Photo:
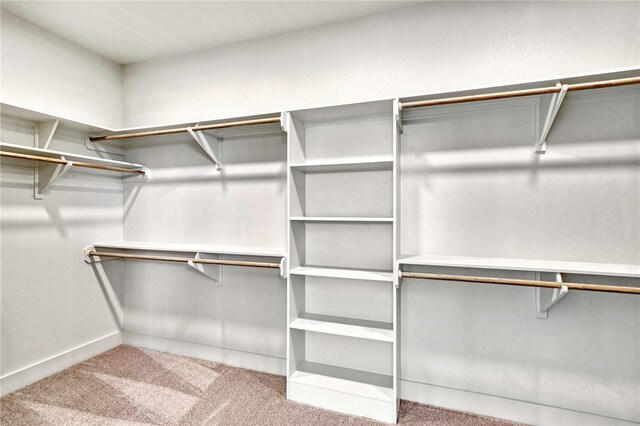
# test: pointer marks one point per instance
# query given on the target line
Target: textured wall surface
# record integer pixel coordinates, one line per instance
(43, 72)
(433, 47)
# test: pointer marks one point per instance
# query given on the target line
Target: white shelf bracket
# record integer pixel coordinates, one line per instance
(216, 276)
(554, 107)
(558, 294)
(285, 118)
(397, 113)
(283, 268)
(46, 130)
(48, 174)
(201, 140)
(397, 276)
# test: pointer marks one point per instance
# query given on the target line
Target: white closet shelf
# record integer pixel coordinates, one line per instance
(23, 149)
(340, 326)
(352, 165)
(607, 269)
(194, 248)
(345, 380)
(342, 219)
(352, 274)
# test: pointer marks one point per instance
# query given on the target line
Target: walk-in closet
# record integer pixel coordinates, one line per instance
(320, 213)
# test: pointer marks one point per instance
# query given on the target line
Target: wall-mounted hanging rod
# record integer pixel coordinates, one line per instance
(525, 283)
(525, 92)
(270, 120)
(73, 163)
(186, 260)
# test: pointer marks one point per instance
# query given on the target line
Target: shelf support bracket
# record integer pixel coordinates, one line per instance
(397, 275)
(284, 121)
(283, 268)
(216, 276)
(397, 114)
(554, 107)
(558, 294)
(46, 130)
(48, 174)
(201, 140)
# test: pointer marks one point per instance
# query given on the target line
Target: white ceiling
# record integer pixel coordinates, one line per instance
(134, 31)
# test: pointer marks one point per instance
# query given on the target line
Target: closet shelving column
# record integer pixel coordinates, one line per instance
(342, 302)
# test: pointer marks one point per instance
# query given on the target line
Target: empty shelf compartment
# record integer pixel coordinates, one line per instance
(353, 274)
(343, 219)
(345, 380)
(328, 166)
(341, 326)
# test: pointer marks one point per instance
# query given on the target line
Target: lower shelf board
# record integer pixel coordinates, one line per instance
(351, 327)
(345, 380)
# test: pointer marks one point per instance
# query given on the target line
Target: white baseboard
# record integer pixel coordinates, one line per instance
(15, 380)
(504, 408)
(455, 399)
(251, 361)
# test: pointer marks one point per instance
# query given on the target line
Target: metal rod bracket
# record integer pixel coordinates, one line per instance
(95, 259)
(201, 140)
(554, 107)
(542, 311)
(213, 272)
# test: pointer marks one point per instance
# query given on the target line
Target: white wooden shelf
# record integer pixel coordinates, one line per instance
(352, 274)
(194, 248)
(606, 269)
(340, 326)
(23, 149)
(353, 165)
(342, 219)
(31, 114)
(345, 380)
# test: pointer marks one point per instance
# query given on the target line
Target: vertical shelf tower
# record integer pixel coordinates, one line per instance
(342, 336)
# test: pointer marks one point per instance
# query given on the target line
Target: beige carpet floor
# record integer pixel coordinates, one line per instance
(133, 386)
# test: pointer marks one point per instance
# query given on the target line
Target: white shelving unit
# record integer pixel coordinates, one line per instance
(51, 165)
(580, 268)
(49, 153)
(342, 175)
(197, 251)
(193, 248)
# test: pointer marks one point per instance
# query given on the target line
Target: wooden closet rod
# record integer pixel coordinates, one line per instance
(524, 92)
(526, 283)
(186, 129)
(75, 163)
(186, 259)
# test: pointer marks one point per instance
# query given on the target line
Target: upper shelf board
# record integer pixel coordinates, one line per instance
(194, 248)
(23, 149)
(606, 269)
(100, 130)
(531, 84)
